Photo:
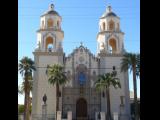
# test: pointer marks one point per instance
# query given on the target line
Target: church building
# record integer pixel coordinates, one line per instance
(82, 68)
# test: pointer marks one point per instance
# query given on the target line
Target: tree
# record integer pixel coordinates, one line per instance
(20, 109)
(103, 83)
(131, 61)
(138, 66)
(21, 90)
(26, 67)
(56, 77)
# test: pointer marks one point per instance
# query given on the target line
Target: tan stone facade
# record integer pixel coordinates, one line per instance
(82, 68)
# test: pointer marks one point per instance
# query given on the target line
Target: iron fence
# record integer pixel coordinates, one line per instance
(37, 117)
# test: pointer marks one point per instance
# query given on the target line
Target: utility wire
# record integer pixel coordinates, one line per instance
(87, 68)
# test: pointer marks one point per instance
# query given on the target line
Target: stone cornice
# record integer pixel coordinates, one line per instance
(110, 55)
(38, 53)
(103, 32)
(110, 17)
(51, 29)
(111, 32)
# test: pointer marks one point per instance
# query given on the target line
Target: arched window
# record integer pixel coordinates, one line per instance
(42, 24)
(50, 47)
(50, 22)
(104, 26)
(49, 44)
(81, 78)
(112, 43)
(111, 25)
(110, 49)
(58, 24)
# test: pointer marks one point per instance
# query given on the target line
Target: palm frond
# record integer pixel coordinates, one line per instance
(106, 80)
(56, 74)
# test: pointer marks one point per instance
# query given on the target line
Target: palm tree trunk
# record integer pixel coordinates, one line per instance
(29, 104)
(25, 101)
(135, 92)
(57, 104)
(26, 110)
(108, 104)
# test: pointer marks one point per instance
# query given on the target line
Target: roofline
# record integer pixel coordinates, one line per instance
(109, 16)
(49, 14)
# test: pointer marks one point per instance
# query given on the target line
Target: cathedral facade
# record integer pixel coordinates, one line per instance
(81, 67)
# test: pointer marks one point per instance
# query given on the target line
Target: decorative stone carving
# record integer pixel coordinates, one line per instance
(81, 59)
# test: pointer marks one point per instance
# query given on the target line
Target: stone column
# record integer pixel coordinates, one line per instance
(44, 112)
(103, 116)
(115, 115)
(69, 115)
(58, 115)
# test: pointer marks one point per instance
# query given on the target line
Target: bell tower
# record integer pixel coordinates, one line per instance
(50, 34)
(110, 36)
(49, 51)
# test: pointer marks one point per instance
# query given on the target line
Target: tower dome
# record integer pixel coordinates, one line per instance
(51, 11)
(108, 13)
(110, 37)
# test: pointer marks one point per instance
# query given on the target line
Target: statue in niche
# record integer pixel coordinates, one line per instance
(44, 99)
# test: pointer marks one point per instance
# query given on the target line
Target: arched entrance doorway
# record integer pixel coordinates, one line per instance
(81, 109)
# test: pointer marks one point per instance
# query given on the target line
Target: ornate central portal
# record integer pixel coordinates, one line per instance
(81, 109)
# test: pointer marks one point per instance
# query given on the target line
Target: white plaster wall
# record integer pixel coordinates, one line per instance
(42, 19)
(115, 19)
(109, 62)
(105, 39)
(106, 20)
(94, 67)
(44, 87)
(68, 67)
(56, 35)
(53, 17)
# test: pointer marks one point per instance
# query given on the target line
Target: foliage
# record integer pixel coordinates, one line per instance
(57, 77)
(131, 61)
(20, 109)
(103, 83)
(106, 80)
(26, 67)
(56, 74)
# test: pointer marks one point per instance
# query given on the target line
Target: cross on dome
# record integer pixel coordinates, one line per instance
(51, 6)
(109, 8)
(81, 43)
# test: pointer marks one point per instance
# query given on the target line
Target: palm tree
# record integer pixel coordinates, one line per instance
(21, 89)
(56, 77)
(131, 61)
(103, 83)
(26, 67)
(138, 66)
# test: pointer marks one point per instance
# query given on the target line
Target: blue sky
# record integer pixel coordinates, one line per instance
(79, 22)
